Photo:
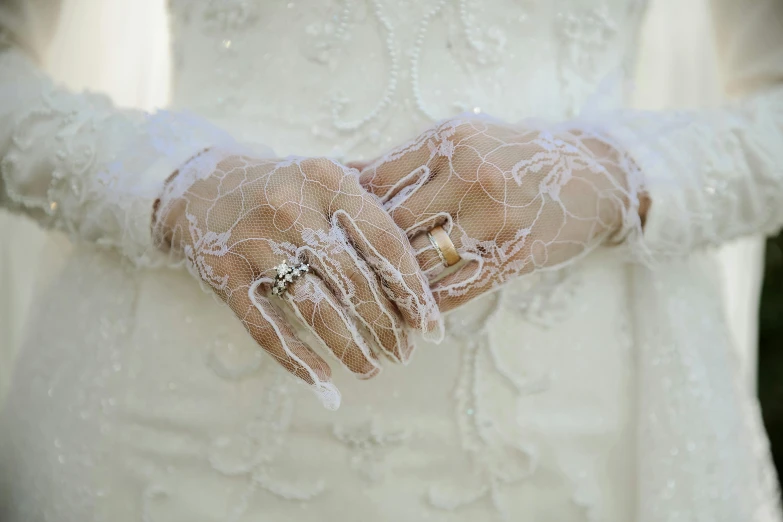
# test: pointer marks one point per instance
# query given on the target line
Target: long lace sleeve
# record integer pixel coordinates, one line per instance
(74, 161)
(716, 175)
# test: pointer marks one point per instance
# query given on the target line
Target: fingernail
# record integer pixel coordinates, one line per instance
(374, 371)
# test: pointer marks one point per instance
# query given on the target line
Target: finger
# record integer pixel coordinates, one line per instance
(317, 308)
(462, 286)
(272, 332)
(426, 255)
(357, 287)
(386, 249)
(427, 196)
(404, 166)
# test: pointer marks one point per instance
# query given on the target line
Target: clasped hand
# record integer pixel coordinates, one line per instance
(512, 200)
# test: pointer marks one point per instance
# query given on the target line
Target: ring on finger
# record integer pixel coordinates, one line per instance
(441, 242)
(287, 274)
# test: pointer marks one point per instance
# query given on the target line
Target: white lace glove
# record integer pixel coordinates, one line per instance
(236, 218)
(513, 199)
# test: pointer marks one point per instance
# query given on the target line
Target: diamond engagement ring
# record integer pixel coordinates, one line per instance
(286, 275)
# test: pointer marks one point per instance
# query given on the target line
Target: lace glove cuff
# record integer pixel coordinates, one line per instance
(165, 143)
(711, 176)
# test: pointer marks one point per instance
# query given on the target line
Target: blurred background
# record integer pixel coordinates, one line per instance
(677, 69)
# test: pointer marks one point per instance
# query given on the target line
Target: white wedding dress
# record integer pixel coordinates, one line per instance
(604, 391)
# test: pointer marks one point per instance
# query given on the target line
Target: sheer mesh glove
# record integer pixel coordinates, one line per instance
(236, 218)
(513, 199)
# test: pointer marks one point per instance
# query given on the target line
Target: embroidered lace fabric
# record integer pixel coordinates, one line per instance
(514, 199)
(590, 389)
(66, 159)
(237, 218)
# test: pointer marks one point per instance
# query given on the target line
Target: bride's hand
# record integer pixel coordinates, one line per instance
(237, 218)
(511, 199)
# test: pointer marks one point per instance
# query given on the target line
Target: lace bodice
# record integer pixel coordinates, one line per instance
(360, 76)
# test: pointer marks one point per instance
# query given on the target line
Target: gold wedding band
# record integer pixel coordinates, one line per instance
(442, 244)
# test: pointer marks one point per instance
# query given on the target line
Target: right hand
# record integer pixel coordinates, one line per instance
(237, 223)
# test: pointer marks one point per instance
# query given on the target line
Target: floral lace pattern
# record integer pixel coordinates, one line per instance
(369, 444)
(66, 160)
(514, 199)
(69, 156)
(235, 218)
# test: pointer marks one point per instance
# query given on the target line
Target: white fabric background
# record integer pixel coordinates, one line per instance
(127, 58)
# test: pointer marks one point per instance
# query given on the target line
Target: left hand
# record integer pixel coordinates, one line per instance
(512, 200)
(235, 218)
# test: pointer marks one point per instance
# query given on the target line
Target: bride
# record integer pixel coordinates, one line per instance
(428, 156)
